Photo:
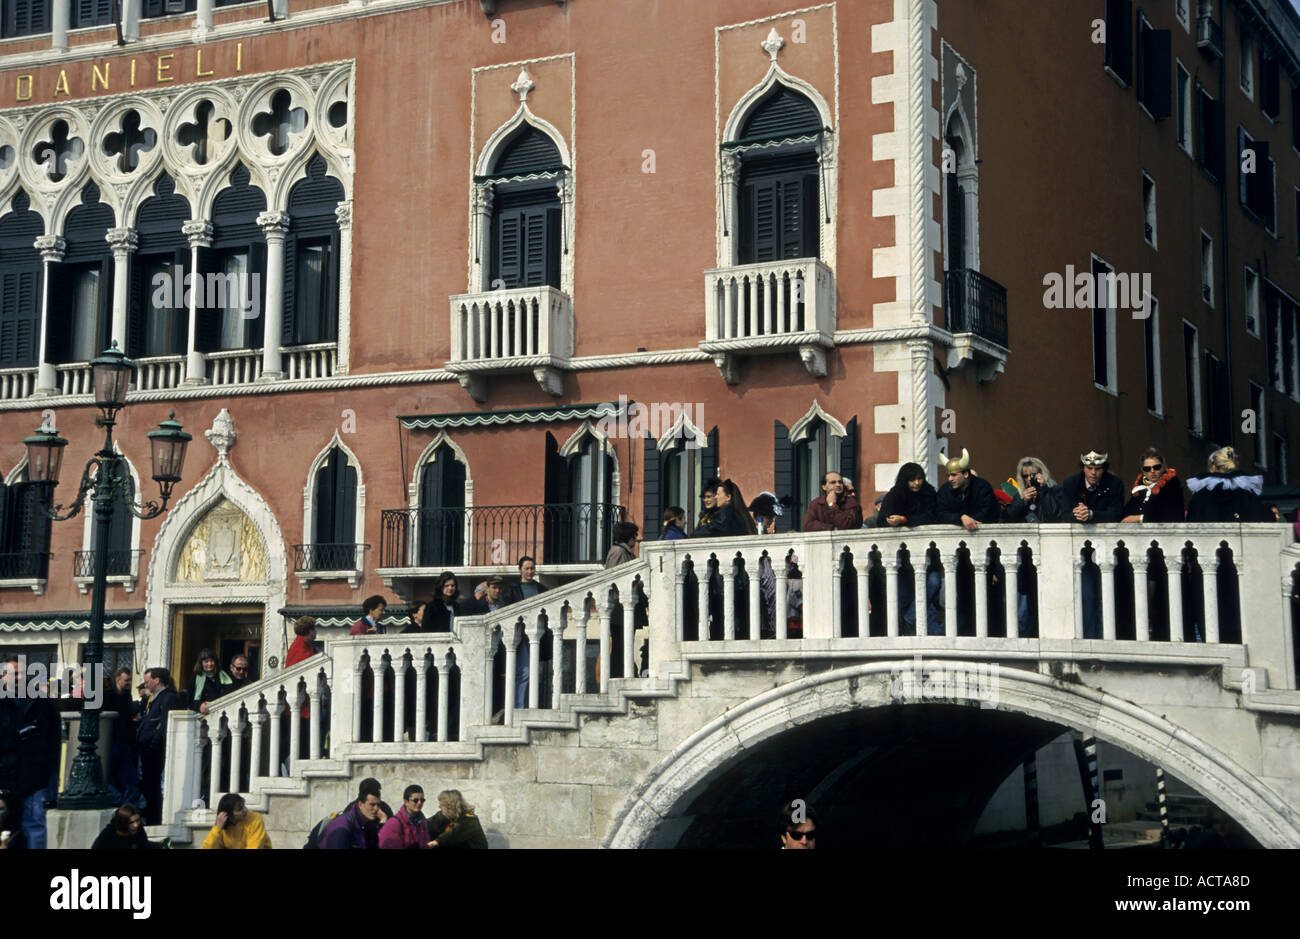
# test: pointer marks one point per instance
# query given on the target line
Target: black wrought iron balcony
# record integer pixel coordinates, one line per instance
(490, 535)
(121, 563)
(1209, 35)
(976, 304)
(24, 565)
(327, 557)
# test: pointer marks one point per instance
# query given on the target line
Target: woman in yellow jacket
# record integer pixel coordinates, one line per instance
(236, 826)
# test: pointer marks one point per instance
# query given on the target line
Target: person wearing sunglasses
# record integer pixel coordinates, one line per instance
(798, 826)
(408, 828)
(239, 675)
(1157, 494)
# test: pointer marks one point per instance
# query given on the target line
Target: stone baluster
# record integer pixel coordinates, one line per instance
(602, 613)
(557, 656)
(444, 696)
(256, 719)
(1141, 612)
(1016, 571)
(1078, 596)
(236, 751)
(535, 632)
(511, 640)
(194, 775)
(295, 723)
(949, 595)
(579, 653)
(891, 594)
(215, 763)
(274, 710)
(1106, 594)
(1210, 581)
(728, 599)
(420, 732)
(494, 641)
(199, 235)
(753, 567)
(702, 578)
(782, 597)
(629, 629)
(920, 559)
(864, 596)
(399, 697)
(837, 596)
(981, 587)
(314, 727)
(1174, 572)
(380, 675)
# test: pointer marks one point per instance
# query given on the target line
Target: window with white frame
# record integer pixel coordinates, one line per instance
(1192, 377)
(1151, 328)
(1149, 209)
(1103, 328)
(1252, 303)
(1261, 425)
(1246, 62)
(123, 534)
(1218, 422)
(1274, 339)
(1184, 109)
(1207, 269)
(334, 513)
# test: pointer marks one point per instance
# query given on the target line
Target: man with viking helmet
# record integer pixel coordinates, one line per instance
(967, 500)
(1093, 496)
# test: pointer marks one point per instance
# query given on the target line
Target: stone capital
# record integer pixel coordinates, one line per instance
(275, 225)
(51, 247)
(343, 213)
(198, 232)
(122, 241)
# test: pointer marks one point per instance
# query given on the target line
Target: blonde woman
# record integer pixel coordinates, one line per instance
(1226, 494)
(455, 825)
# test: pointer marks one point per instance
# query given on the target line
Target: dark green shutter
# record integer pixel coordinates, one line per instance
(709, 458)
(289, 317)
(783, 475)
(58, 325)
(19, 317)
(1119, 39)
(207, 317)
(849, 457)
(1160, 64)
(255, 329)
(535, 228)
(507, 255)
(758, 231)
(652, 495)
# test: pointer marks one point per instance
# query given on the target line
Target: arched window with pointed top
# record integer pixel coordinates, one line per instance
(527, 215)
(25, 527)
(236, 263)
(80, 320)
(158, 323)
(311, 258)
(20, 282)
(780, 202)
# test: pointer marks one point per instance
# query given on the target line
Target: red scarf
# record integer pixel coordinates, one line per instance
(1159, 483)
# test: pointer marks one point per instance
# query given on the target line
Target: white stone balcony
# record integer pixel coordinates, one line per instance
(17, 383)
(499, 332)
(758, 309)
(159, 372)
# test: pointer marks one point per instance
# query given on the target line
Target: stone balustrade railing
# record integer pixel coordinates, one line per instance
(159, 372)
(311, 361)
(17, 383)
(235, 366)
(769, 300)
(530, 324)
(75, 378)
(1229, 588)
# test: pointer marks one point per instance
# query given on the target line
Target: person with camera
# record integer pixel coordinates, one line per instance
(1039, 499)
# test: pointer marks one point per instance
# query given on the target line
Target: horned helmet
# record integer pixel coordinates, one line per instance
(955, 465)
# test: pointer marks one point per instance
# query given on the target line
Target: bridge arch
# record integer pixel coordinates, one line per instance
(677, 780)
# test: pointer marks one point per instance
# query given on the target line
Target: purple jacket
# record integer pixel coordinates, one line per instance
(400, 832)
(349, 830)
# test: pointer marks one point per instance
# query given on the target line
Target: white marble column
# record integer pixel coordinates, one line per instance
(891, 594)
(1174, 572)
(274, 711)
(123, 242)
(60, 17)
(420, 733)
(444, 696)
(949, 596)
(256, 720)
(131, 10)
(52, 248)
(199, 235)
(203, 19)
(275, 225)
(342, 356)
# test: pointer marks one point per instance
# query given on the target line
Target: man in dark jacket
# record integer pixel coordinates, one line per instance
(833, 510)
(357, 826)
(151, 738)
(967, 500)
(1094, 496)
(1227, 494)
(527, 588)
(29, 750)
(124, 761)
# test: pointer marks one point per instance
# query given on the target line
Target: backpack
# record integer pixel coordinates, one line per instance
(317, 834)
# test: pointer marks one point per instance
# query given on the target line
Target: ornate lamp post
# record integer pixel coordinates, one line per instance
(104, 480)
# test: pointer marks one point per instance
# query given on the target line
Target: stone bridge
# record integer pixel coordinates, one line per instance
(904, 736)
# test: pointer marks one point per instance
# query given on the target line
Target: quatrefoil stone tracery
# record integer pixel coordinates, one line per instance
(59, 151)
(280, 121)
(205, 133)
(130, 142)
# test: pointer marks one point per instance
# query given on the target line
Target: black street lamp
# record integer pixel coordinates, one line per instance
(105, 481)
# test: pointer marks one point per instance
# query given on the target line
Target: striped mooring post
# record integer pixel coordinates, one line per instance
(1164, 803)
(1085, 753)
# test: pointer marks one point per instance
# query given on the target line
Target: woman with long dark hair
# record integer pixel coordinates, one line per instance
(729, 516)
(911, 501)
